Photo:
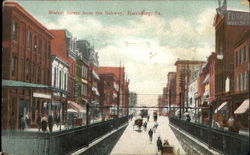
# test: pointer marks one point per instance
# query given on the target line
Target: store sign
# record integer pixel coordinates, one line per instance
(42, 95)
(238, 18)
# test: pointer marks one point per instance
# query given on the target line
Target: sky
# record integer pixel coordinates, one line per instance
(146, 45)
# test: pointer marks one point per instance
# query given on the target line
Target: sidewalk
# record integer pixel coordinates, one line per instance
(55, 128)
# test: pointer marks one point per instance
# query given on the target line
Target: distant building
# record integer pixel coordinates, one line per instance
(184, 71)
(171, 88)
(123, 84)
(26, 66)
(108, 88)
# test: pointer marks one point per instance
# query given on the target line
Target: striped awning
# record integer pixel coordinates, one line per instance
(221, 107)
(243, 107)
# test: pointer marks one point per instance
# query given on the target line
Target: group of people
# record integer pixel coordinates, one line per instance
(24, 121)
(43, 122)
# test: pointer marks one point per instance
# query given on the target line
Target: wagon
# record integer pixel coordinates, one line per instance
(138, 123)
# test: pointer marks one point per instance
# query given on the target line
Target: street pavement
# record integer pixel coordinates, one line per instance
(135, 142)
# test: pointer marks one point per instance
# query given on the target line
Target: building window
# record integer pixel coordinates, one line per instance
(40, 46)
(241, 82)
(54, 80)
(14, 66)
(49, 51)
(246, 81)
(14, 30)
(245, 53)
(35, 43)
(65, 81)
(237, 55)
(27, 70)
(29, 38)
(60, 79)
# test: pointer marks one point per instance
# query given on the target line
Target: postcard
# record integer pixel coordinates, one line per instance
(122, 77)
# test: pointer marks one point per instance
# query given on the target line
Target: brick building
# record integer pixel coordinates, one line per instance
(64, 70)
(184, 70)
(171, 88)
(108, 88)
(229, 27)
(123, 84)
(241, 74)
(26, 66)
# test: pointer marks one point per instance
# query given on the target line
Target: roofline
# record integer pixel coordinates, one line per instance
(26, 13)
(242, 39)
(188, 62)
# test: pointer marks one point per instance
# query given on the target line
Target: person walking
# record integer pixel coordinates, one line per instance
(38, 121)
(44, 122)
(145, 126)
(27, 120)
(22, 122)
(150, 133)
(50, 122)
(159, 144)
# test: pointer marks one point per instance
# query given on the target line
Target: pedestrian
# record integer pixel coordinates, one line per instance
(145, 126)
(38, 121)
(155, 126)
(21, 122)
(188, 118)
(50, 122)
(44, 122)
(27, 120)
(150, 133)
(159, 144)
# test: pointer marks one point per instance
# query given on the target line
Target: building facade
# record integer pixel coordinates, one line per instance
(26, 68)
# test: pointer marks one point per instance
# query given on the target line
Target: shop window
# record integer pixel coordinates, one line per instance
(14, 30)
(14, 66)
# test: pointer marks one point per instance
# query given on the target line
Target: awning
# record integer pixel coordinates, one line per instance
(206, 80)
(95, 75)
(75, 106)
(94, 89)
(221, 107)
(12, 83)
(243, 107)
(71, 111)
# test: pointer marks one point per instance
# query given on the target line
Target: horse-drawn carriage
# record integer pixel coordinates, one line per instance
(138, 123)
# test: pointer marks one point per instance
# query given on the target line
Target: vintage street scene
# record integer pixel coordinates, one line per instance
(122, 77)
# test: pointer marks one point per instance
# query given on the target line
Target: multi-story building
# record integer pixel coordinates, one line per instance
(93, 78)
(26, 66)
(171, 88)
(229, 26)
(184, 70)
(82, 72)
(241, 74)
(108, 88)
(60, 73)
(64, 70)
(132, 102)
(123, 84)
